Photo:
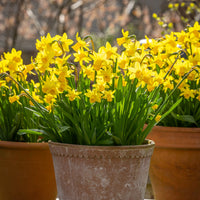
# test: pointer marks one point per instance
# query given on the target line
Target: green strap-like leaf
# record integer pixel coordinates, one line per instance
(31, 131)
(170, 110)
(185, 118)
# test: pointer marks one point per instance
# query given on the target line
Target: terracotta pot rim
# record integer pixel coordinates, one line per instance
(197, 129)
(23, 145)
(150, 144)
(175, 137)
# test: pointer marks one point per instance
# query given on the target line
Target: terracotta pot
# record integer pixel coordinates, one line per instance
(101, 172)
(175, 164)
(26, 172)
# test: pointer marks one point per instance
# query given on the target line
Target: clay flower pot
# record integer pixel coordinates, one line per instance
(26, 172)
(175, 164)
(101, 172)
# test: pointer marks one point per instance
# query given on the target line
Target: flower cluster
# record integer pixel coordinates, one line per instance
(13, 115)
(178, 54)
(105, 97)
(100, 70)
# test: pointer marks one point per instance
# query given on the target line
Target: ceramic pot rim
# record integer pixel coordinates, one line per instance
(101, 152)
(150, 144)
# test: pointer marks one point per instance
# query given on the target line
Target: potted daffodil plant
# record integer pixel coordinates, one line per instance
(25, 162)
(177, 136)
(97, 108)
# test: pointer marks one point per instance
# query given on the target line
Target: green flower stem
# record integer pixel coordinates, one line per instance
(91, 39)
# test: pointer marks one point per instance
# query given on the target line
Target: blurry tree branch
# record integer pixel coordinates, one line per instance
(35, 20)
(59, 18)
(12, 23)
(17, 21)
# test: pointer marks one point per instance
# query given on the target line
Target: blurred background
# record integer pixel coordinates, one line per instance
(24, 21)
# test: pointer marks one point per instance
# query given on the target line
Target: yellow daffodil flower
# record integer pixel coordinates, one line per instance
(73, 94)
(80, 44)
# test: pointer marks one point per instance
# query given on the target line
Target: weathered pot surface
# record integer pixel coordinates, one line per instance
(101, 172)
